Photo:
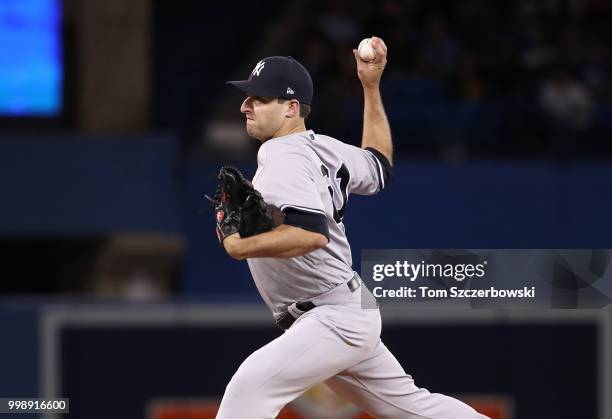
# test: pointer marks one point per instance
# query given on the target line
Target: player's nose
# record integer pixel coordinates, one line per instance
(246, 106)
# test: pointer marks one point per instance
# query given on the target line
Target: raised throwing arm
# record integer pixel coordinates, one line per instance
(376, 129)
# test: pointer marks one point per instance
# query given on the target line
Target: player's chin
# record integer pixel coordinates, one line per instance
(252, 131)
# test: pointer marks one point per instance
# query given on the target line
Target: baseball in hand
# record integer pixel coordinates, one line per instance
(366, 52)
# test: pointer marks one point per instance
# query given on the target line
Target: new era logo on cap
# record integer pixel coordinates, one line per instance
(284, 78)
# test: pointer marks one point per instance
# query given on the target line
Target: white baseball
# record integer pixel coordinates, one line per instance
(366, 52)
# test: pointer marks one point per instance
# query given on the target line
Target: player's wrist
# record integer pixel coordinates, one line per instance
(371, 87)
(231, 244)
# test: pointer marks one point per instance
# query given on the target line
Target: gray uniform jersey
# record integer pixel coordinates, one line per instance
(313, 174)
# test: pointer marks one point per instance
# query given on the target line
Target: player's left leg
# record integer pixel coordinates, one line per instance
(310, 352)
(380, 386)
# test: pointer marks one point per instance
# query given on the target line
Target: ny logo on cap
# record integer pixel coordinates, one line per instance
(290, 91)
(258, 68)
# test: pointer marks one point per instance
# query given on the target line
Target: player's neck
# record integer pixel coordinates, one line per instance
(290, 129)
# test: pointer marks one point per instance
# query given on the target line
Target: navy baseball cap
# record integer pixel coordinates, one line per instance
(276, 76)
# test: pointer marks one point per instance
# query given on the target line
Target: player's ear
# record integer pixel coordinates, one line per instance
(293, 109)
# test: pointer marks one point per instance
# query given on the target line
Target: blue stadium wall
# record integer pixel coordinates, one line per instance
(99, 186)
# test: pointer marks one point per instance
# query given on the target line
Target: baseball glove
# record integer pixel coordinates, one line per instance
(240, 208)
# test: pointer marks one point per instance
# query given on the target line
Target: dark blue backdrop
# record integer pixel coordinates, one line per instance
(97, 186)
(482, 204)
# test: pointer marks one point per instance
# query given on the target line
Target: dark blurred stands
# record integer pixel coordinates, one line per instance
(467, 72)
(503, 87)
(196, 47)
(92, 201)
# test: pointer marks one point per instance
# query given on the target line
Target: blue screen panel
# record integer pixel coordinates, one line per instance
(31, 64)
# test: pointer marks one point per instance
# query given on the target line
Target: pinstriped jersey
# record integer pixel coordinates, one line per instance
(311, 174)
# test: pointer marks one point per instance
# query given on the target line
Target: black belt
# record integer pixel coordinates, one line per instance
(287, 319)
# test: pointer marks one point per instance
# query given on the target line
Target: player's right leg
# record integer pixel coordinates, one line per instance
(380, 386)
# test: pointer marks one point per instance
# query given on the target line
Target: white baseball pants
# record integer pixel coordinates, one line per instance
(339, 345)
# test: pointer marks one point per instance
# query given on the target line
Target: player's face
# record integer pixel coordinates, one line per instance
(264, 116)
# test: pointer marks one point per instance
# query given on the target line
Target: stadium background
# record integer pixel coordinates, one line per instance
(114, 118)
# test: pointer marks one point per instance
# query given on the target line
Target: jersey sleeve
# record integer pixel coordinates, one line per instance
(370, 171)
(286, 179)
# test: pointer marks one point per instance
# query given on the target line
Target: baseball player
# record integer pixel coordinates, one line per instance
(303, 267)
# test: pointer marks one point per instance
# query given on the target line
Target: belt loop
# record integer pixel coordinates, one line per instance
(354, 283)
(294, 311)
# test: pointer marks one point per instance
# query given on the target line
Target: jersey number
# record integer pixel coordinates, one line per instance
(337, 187)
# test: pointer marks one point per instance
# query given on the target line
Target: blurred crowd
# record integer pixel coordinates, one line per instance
(523, 75)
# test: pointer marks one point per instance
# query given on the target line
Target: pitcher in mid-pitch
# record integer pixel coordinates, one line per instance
(303, 268)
